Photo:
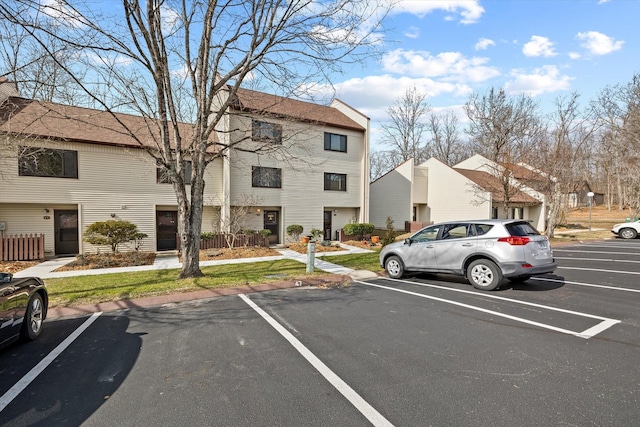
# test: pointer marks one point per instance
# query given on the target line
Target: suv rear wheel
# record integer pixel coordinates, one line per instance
(484, 274)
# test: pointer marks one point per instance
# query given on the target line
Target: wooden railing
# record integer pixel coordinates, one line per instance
(18, 247)
(220, 241)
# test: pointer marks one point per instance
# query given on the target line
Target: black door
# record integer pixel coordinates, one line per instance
(66, 230)
(327, 225)
(167, 230)
(271, 224)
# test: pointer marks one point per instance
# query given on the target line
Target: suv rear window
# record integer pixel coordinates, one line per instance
(521, 229)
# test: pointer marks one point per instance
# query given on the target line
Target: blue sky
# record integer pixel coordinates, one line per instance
(450, 48)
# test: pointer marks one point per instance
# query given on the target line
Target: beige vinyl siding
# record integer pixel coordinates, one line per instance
(111, 180)
(454, 197)
(303, 162)
(391, 197)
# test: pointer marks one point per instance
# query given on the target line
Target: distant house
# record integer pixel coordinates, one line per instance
(72, 166)
(580, 197)
(433, 192)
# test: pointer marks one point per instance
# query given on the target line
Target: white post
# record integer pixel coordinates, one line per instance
(311, 255)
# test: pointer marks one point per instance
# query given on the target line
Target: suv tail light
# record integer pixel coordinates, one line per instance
(515, 240)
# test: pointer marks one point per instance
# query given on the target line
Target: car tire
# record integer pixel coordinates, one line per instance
(33, 318)
(484, 274)
(519, 279)
(394, 267)
(628, 233)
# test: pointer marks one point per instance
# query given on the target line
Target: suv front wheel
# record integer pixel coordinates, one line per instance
(484, 274)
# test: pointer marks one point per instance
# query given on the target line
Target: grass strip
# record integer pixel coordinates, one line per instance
(79, 290)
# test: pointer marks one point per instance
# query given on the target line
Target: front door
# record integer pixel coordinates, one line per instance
(271, 224)
(65, 224)
(327, 225)
(167, 230)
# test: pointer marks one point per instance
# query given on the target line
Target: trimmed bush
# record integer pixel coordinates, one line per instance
(295, 230)
(359, 229)
(113, 233)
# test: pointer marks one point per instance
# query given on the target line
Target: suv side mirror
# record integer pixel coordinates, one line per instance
(407, 241)
(6, 277)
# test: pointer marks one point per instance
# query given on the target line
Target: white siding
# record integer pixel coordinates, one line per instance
(113, 182)
(303, 162)
(391, 197)
(454, 197)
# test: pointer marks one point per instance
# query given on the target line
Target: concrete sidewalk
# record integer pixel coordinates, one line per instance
(46, 269)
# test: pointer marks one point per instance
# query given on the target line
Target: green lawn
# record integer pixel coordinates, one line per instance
(112, 287)
(368, 261)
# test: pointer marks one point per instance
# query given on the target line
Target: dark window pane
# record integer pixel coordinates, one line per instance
(162, 175)
(35, 161)
(335, 181)
(335, 142)
(266, 132)
(266, 177)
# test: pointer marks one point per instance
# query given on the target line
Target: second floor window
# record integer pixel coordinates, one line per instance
(266, 132)
(335, 142)
(36, 161)
(162, 176)
(266, 177)
(335, 181)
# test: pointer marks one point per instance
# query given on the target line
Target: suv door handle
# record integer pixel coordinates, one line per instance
(467, 245)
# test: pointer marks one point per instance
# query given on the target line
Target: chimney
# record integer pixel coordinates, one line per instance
(7, 89)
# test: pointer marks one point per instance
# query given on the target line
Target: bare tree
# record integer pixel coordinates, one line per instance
(446, 143)
(562, 154)
(382, 162)
(407, 126)
(503, 129)
(176, 62)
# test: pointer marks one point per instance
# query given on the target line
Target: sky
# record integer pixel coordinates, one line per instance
(449, 49)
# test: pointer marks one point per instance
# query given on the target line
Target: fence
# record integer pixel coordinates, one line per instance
(28, 247)
(411, 226)
(220, 241)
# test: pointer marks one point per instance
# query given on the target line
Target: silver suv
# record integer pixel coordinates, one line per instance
(484, 251)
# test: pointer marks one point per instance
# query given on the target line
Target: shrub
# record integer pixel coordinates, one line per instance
(112, 232)
(208, 235)
(390, 235)
(295, 231)
(359, 229)
(317, 234)
(264, 233)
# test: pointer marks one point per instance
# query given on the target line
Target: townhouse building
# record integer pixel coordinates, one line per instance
(65, 167)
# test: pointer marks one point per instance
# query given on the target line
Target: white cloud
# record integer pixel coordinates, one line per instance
(62, 13)
(542, 80)
(170, 18)
(484, 43)
(450, 66)
(470, 11)
(358, 92)
(574, 55)
(538, 46)
(412, 32)
(599, 44)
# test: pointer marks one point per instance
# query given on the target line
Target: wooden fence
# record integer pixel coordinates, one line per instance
(220, 241)
(18, 247)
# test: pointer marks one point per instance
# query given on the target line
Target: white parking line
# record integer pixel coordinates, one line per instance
(603, 325)
(598, 269)
(18, 387)
(596, 252)
(590, 285)
(361, 405)
(598, 259)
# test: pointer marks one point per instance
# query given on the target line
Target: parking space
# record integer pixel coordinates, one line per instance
(560, 349)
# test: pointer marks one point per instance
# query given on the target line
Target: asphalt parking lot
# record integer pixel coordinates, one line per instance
(425, 350)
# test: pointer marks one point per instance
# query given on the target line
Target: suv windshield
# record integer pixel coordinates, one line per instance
(521, 229)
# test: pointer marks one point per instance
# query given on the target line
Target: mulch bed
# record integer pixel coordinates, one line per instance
(109, 260)
(15, 266)
(235, 253)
